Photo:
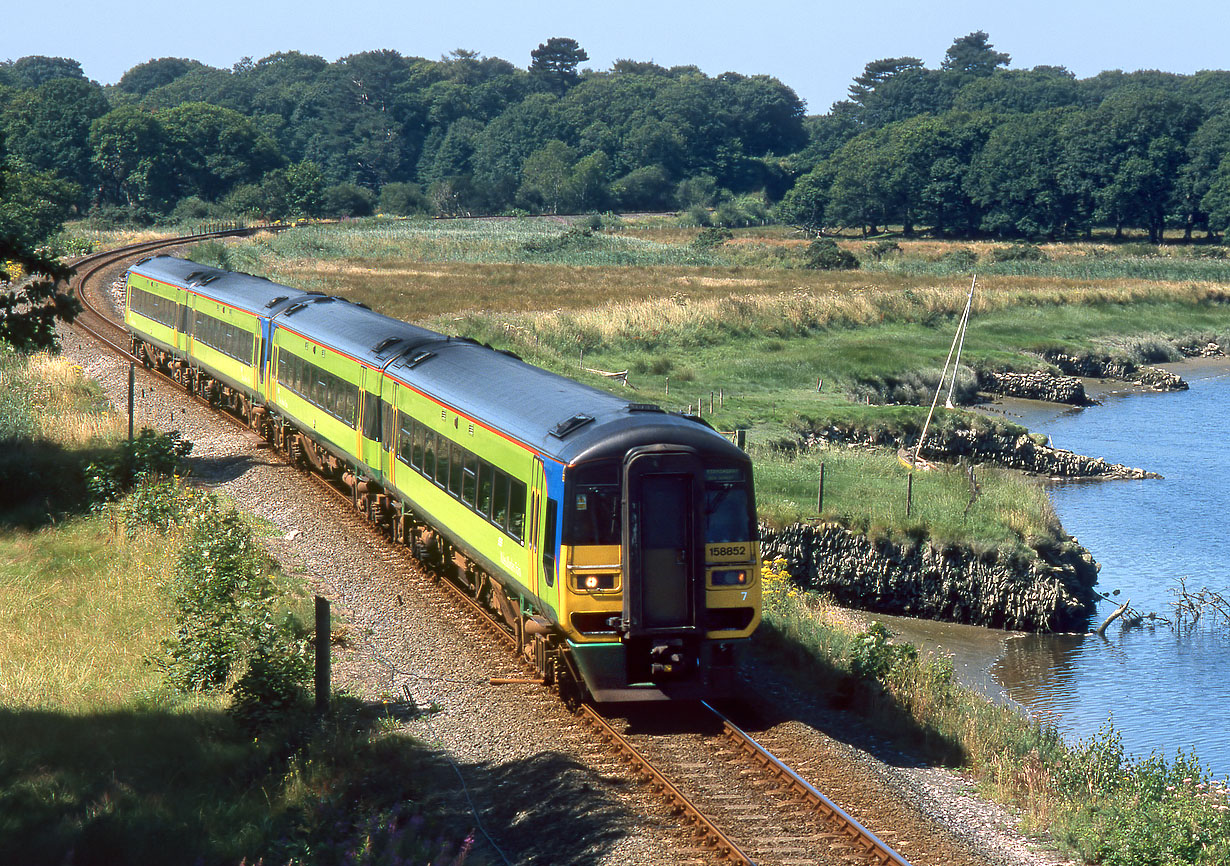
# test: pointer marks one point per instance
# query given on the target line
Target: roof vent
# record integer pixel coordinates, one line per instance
(293, 308)
(420, 358)
(385, 343)
(645, 407)
(205, 281)
(279, 299)
(568, 425)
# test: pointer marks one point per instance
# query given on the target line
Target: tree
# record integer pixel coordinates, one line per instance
(973, 54)
(1217, 200)
(152, 74)
(213, 149)
(555, 62)
(49, 127)
(32, 207)
(129, 152)
(876, 73)
(35, 70)
(1014, 177)
(546, 178)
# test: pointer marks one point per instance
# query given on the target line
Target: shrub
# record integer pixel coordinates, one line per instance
(823, 254)
(348, 200)
(148, 457)
(960, 259)
(697, 216)
(872, 656)
(880, 250)
(404, 199)
(711, 238)
(1018, 253)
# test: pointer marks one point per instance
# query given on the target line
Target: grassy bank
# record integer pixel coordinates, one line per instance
(110, 754)
(1105, 806)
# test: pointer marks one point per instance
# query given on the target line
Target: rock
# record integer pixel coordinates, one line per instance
(1038, 385)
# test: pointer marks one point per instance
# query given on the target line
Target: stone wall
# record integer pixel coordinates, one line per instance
(1104, 367)
(1053, 592)
(999, 448)
(1038, 385)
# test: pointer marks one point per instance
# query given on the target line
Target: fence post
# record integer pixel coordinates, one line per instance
(820, 495)
(909, 493)
(132, 384)
(322, 654)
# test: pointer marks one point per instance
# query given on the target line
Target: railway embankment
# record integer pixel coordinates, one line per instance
(1051, 590)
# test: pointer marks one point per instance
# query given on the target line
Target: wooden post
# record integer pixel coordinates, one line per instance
(820, 495)
(909, 493)
(132, 385)
(741, 438)
(668, 386)
(710, 402)
(322, 655)
(721, 398)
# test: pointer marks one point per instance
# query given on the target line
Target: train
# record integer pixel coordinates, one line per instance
(617, 541)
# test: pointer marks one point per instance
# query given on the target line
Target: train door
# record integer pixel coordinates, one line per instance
(388, 427)
(663, 573)
(537, 483)
(371, 425)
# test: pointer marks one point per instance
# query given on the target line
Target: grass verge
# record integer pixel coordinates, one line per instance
(103, 760)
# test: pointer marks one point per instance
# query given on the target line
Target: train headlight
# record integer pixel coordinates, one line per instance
(732, 577)
(596, 582)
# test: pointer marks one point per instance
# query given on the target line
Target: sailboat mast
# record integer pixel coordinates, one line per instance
(958, 336)
(969, 302)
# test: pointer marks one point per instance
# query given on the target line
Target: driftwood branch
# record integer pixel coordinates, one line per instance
(1119, 611)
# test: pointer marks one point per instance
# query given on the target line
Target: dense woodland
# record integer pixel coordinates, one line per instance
(971, 148)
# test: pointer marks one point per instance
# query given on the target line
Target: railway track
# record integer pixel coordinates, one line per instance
(738, 802)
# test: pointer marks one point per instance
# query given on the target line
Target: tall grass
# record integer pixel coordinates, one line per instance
(866, 491)
(100, 761)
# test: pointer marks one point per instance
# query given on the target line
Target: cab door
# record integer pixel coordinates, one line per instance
(537, 483)
(663, 558)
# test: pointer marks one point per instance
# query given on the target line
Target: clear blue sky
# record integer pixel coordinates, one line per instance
(815, 47)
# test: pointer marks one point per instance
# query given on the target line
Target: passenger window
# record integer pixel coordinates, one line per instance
(454, 476)
(484, 489)
(416, 455)
(499, 504)
(442, 461)
(429, 454)
(468, 479)
(548, 542)
(516, 509)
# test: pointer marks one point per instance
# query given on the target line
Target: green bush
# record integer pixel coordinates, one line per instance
(960, 259)
(147, 457)
(873, 657)
(823, 254)
(711, 238)
(1018, 253)
(883, 249)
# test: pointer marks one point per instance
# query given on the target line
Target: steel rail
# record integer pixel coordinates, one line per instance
(807, 793)
(710, 836)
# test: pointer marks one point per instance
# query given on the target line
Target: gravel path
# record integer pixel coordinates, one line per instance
(542, 789)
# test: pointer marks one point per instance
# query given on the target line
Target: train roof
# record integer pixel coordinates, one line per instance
(557, 416)
(255, 295)
(352, 328)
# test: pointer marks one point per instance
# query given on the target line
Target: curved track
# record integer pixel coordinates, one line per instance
(762, 807)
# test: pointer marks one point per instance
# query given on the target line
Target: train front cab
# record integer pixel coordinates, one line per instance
(661, 573)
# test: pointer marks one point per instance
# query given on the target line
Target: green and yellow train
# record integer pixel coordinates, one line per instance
(617, 541)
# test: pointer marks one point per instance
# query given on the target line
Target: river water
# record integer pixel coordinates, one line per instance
(1164, 689)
